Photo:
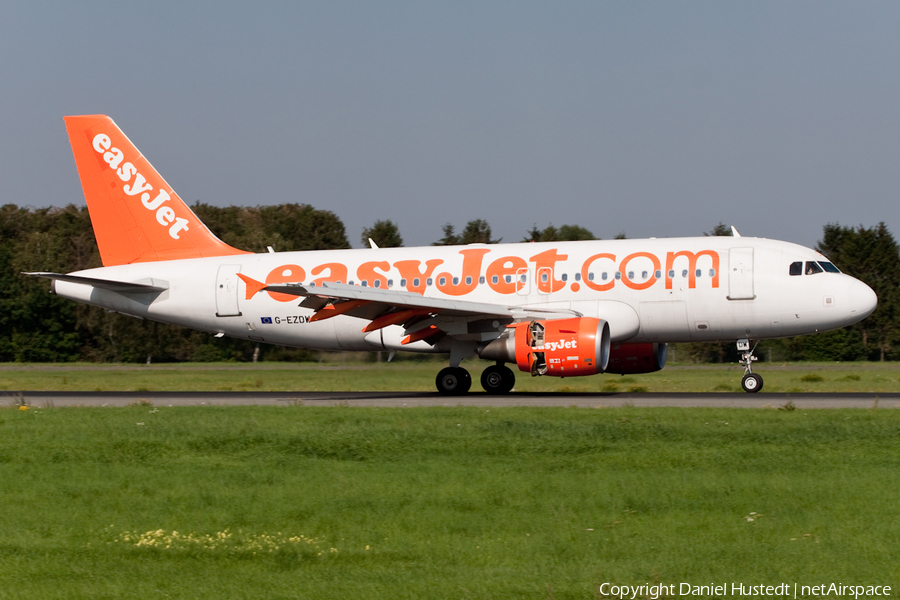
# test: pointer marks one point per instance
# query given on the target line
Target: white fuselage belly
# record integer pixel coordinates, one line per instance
(651, 290)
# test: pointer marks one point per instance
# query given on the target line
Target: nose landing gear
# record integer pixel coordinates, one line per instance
(751, 382)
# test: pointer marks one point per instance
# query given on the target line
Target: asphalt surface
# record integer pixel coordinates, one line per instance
(409, 399)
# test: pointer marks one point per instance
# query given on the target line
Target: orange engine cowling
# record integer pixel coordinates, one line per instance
(560, 348)
(629, 359)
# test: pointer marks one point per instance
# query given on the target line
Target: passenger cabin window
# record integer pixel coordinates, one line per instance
(796, 268)
(812, 267)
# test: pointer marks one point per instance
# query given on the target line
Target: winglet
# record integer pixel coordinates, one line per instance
(136, 215)
(253, 286)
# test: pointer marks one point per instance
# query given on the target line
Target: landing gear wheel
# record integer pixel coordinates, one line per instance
(466, 380)
(752, 383)
(498, 379)
(453, 381)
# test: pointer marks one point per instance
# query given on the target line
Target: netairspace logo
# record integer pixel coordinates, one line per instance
(737, 590)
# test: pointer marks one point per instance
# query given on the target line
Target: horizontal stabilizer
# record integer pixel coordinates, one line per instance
(107, 284)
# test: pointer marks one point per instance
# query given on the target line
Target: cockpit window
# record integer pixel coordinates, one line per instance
(812, 267)
(829, 267)
(797, 268)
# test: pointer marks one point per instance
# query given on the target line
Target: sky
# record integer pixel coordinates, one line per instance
(653, 119)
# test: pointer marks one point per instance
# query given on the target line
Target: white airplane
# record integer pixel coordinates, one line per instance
(559, 309)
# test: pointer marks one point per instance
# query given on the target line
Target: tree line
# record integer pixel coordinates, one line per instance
(36, 326)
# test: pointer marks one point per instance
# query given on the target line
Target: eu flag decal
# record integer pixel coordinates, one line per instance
(266, 320)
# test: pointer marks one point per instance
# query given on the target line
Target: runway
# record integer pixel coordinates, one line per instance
(412, 399)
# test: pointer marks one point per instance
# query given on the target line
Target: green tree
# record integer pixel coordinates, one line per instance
(450, 238)
(476, 231)
(385, 234)
(38, 326)
(720, 230)
(871, 255)
(562, 234)
(285, 227)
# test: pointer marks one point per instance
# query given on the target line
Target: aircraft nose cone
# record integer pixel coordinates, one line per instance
(862, 300)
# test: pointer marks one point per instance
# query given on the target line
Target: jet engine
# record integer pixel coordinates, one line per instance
(560, 347)
(629, 359)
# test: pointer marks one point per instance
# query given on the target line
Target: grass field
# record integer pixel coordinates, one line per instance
(419, 376)
(300, 502)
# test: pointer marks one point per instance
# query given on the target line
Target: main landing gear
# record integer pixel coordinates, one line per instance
(456, 381)
(498, 379)
(453, 381)
(751, 382)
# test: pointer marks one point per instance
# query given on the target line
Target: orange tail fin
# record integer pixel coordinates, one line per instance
(136, 215)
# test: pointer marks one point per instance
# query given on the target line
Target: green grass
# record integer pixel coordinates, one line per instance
(419, 376)
(440, 502)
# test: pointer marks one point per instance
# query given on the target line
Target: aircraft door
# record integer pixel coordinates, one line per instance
(523, 282)
(740, 274)
(227, 291)
(544, 280)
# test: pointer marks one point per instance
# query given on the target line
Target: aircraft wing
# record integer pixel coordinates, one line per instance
(421, 316)
(150, 286)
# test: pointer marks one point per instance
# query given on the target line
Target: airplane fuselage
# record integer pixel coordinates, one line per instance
(648, 290)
